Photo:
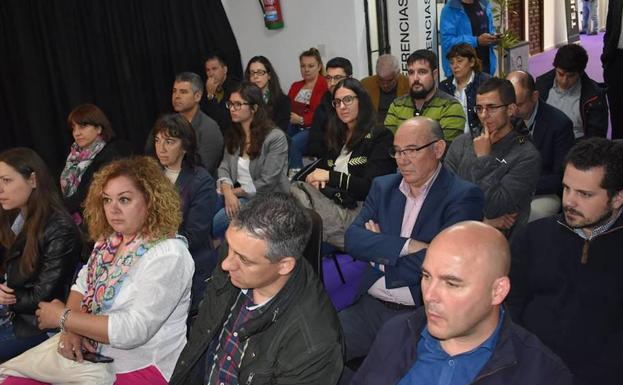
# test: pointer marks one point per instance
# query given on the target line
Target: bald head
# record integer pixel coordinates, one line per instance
(421, 124)
(526, 95)
(521, 79)
(478, 243)
(464, 282)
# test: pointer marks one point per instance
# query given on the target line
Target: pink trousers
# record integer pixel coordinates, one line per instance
(147, 376)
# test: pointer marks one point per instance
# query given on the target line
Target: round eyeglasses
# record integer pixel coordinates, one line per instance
(346, 100)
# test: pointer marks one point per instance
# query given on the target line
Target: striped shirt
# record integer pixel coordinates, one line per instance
(442, 107)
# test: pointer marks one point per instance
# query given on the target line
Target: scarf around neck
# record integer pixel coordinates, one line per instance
(106, 271)
(78, 160)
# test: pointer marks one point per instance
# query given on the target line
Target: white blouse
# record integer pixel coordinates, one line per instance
(147, 321)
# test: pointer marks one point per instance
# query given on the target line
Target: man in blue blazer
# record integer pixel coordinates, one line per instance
(401, 215)
(552, 134)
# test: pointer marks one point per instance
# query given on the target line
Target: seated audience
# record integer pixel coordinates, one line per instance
(41, 248)
(501, 161)
(130, 301)
(355, 152)
(93, 147)
(568, 88)
(266, 317)
(255, 159)
(469, 21)
(338, 68)
(305, 96)
(386, 85)
(566, 269)
(261, 72)
(462, 335)
(466, 77)
(401, 215)
(551, 132)
(176, 149)
(425, 99)
(219, 84)
(187, 91)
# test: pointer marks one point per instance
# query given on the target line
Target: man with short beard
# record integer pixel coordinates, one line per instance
(425, 99)
(566, 269)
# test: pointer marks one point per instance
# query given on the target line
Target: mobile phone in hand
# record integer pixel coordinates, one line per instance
(96, 358)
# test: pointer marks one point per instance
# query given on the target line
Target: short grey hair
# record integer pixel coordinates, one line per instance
(436, 132)
(196, 84)
(387, 61)
(279, 220)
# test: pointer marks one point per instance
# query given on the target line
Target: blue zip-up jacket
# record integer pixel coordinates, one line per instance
(455, 28)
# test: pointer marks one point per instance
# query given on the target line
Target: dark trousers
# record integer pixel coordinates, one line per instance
(11, 346)
(613, 76)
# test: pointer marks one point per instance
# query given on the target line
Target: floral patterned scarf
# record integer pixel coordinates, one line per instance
(106, 271)
(78, 160)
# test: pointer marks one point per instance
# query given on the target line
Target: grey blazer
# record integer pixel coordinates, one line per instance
(269, 170)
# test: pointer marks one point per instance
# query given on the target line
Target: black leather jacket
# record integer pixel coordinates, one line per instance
(294, 339)
(59, 249)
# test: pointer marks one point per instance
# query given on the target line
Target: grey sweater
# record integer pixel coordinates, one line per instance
(507, 176)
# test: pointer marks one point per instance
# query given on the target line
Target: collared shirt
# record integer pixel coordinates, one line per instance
(226, 351)
(413, 205)
(599, 229)
(568, 101)
(530, 122)
(462, 96)
(436, 367)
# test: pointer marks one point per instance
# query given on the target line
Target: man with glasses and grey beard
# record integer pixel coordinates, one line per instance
(401, 215)
(501, 161)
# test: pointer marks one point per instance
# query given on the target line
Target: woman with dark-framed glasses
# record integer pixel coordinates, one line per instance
(261, 72)
(356, 151)
(255, 159)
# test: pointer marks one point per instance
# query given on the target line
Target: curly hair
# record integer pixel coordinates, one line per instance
(163, 202)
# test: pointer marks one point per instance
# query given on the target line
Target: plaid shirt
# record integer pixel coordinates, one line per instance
(226, 352)
(599, 229)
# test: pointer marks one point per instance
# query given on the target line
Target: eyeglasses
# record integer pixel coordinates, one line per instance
(335, 78)
(409, 152)
(346, 100)
(489, 108)
(236, 106)
(258, 73)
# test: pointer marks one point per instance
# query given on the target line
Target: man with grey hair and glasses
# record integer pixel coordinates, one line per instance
(185, 98)
(386, 85)
(265, 317)
(401, 215)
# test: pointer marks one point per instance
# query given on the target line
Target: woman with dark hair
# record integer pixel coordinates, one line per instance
(92, 148)
(41, 245)
(466, 77)
(356, 151)
(176, 149)
(305, 96)
(255, 159)
(261, 72)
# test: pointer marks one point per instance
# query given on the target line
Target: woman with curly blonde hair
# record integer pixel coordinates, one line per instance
(130, 301)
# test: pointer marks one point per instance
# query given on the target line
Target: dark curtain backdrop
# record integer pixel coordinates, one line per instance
(121, 55)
